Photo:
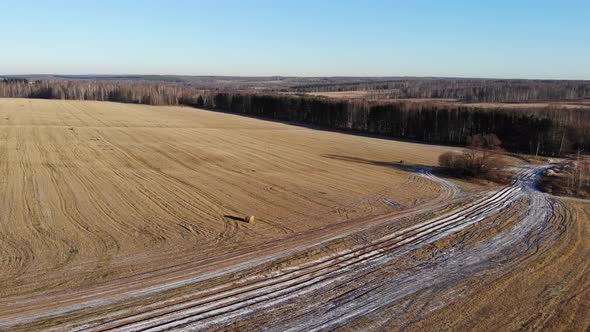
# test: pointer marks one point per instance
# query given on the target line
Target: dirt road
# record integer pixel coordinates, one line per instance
(118, 217)
(338, 289)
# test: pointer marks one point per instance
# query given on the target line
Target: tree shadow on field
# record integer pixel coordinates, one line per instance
(399, 165)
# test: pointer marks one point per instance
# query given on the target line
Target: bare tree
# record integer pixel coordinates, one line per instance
(480, 159)
(482, 148)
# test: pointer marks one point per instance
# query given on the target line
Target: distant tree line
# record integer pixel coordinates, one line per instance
(534, 131)
(468, 90)
(124, 92)
(541, 131)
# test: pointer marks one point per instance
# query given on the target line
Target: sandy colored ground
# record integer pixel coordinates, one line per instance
(125, 217)
(390, 95)
(93, 191)
(549, 291)
(549, 105)
(361, 94)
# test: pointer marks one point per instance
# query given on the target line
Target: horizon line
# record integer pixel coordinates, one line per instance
(290, 76)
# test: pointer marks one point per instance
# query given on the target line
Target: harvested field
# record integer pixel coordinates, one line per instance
(360, 94)
(402, 272)
(130, 218)
(389, 95)
(547, 290)
(94, 191)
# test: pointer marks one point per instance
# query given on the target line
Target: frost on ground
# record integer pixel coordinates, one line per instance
(338, 290)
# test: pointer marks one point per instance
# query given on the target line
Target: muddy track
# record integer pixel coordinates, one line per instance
(233, 301)
(228, 300)
(93, 192)
(349, 227)
(121, 217)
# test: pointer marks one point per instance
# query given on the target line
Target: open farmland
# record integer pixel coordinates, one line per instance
(121, 217)
(385, 95)
(94, 191)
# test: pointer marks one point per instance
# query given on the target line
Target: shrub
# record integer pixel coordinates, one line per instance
(480, 160)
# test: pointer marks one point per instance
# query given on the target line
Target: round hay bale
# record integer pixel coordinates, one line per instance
(250, 219)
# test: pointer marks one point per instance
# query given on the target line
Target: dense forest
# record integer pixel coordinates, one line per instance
(124, 92)
(534, 131)
(543, 131)
(468, 90)
(461, 89)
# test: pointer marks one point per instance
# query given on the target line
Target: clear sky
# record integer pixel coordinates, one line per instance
(470, 38)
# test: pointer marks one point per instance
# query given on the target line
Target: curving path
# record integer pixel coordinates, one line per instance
(330, 291)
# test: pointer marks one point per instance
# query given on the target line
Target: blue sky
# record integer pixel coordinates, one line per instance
(509, 39)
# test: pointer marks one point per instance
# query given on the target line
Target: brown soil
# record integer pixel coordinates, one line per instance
(93, 191)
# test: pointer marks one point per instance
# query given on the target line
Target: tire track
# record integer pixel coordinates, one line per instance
(332, 268)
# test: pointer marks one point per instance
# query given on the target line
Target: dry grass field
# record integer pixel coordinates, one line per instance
(124, 217)
(360, 94)
(547, 291)
(93, 191)
(390, 95)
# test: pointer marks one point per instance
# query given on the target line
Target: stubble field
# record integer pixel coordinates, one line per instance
(93, 191)
(126, 217)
